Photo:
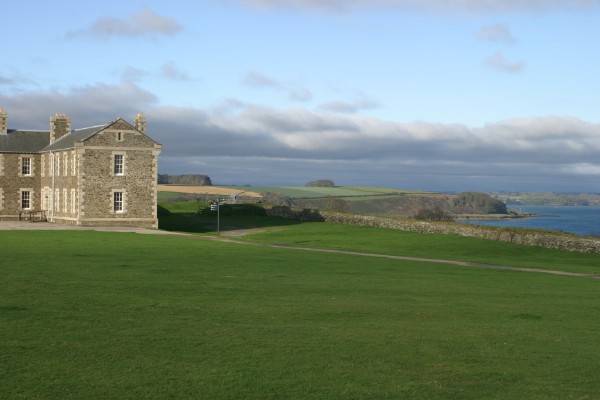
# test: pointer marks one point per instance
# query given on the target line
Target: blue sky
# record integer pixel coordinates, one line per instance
(439, 95)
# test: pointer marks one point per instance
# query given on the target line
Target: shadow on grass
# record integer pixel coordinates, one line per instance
(182, 217)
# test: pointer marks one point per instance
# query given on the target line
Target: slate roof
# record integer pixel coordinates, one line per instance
(29, 141)
(68, 141)
(24, 141)
(17, 141)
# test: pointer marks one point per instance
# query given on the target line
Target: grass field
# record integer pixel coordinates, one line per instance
(209, 190)
(447, 247)
(305, 192)
(117, 315)
(381, 241)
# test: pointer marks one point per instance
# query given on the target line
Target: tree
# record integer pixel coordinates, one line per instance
(480, 203)
(321, 183)
(190, 179)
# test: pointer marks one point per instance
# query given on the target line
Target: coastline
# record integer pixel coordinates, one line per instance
(578, 220)
(495, 217)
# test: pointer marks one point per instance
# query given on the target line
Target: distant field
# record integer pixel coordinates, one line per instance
(317, 192)
(117, 315)
(212, 190)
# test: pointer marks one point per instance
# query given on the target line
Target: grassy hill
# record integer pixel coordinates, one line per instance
(377, 201)
(120, 315)
(549, 199)
(305, 192)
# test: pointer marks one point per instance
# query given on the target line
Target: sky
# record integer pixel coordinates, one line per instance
(455, 95)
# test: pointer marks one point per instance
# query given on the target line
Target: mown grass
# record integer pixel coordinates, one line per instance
(381, 241)
(116, 315)
(447, 247)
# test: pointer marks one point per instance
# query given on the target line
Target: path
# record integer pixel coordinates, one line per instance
(417, 259)
(230, 238)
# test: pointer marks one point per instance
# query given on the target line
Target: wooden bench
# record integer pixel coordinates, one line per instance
(33, 216)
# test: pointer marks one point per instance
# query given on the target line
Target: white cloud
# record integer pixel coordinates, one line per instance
(499, 63)
(298, 93)
(293, 91)
(170, 70)
(86, 105)
(143, 23)
(496, 33)
(6, 81)
(243, 143)
(254, 79)
(130, 73)
(348, 107)
(486, 6)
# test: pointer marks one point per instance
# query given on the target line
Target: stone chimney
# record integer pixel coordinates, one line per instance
(60, 125)
(3, 123)
(140, 123)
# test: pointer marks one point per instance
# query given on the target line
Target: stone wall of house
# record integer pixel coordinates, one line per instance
(512, 235)
(137, 183)
(59, 194)
(78, 185)
(12, 183)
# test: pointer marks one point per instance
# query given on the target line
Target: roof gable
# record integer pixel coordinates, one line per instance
(30, 141)
(68, 141)
(121, 125)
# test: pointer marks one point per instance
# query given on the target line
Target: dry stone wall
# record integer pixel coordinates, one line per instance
(511, 235)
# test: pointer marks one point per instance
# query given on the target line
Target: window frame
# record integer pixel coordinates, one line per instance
(118, 164)
(65, 201)
(74, 164)
(118, 202)
(26, 166)
(73, 201)
(46, 199)
(26, 197)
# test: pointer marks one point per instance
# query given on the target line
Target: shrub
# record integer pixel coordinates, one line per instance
(478, 203)
(435, 214)
(321, 183)
(275, 199)
(238, 209)
(336, 204)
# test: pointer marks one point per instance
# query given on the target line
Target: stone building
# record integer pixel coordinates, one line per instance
(100, 175)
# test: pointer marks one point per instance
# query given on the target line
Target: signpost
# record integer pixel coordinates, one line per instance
(219, 217)
(216, 206)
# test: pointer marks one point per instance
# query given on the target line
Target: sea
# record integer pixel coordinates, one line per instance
(580, 220)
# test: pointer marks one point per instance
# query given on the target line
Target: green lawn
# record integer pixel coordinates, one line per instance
(381, 241)
(447, 247)
(116, 315)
